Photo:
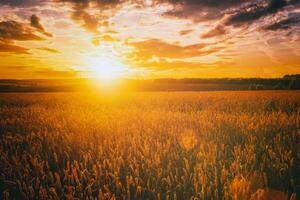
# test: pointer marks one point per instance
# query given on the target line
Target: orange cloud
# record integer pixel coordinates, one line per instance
(49, 50)
(12, 30)
(185, 32)
(157, 48)
(105, 38)
(35, 22)
(217, 31)
(12, 48)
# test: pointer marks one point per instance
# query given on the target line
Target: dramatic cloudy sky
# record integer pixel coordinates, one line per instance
(149, 38)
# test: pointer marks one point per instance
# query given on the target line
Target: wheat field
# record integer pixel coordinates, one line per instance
(151, 145)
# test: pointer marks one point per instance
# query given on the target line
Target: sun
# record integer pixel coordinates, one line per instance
(106, 68)
(106, 65)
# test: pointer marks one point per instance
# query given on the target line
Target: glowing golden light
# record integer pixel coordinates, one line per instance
(106, 68)
(106, 65)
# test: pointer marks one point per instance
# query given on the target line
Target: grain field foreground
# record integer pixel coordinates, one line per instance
(168, 145)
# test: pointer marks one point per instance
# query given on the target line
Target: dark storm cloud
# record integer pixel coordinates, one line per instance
(240, 11)
(258, 10)
(195, 13)
(208, 3)
(292, 20)
(235, 13)
(21, 3)
(202, 10)
(250, 12)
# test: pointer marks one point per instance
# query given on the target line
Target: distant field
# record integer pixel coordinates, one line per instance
(155, 145)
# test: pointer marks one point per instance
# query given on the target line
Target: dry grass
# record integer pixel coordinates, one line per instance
(214, 145)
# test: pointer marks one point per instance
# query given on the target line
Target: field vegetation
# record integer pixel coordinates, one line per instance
(155, 145)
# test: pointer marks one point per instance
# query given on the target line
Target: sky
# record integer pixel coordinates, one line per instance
(149, 38)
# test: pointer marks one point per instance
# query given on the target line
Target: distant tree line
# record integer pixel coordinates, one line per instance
(292, 76)
(287, 82)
